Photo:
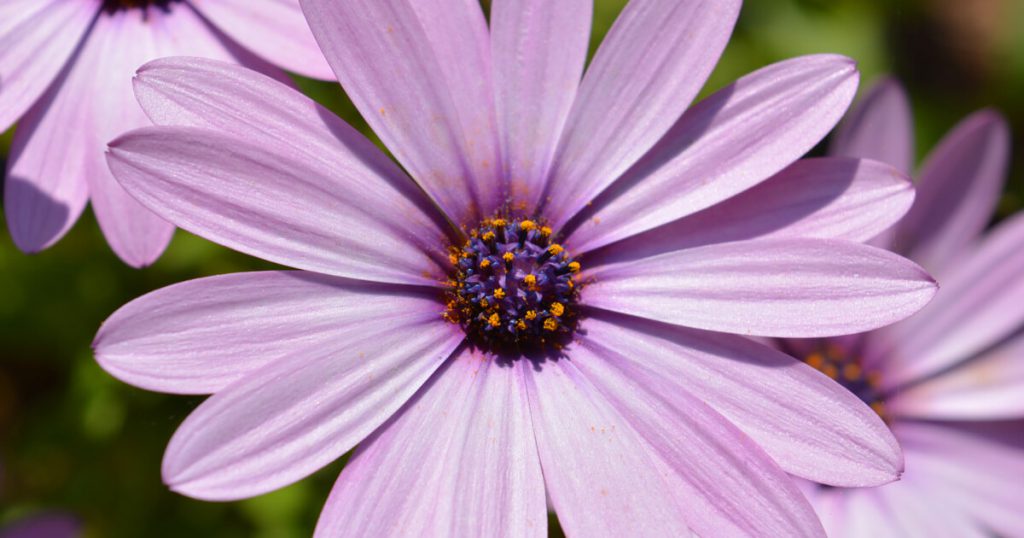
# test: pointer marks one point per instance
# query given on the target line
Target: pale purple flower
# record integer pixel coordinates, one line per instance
(65, 77)
(479, 374)
(950, 380)
(49, 525)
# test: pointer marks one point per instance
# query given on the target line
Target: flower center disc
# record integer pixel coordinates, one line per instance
(834, 362)
(512, 289)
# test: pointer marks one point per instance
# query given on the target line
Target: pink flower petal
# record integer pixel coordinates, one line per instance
(332, 214)
(828, 198)
(668, 48)
(117, 45)
(766, 287)
(649, 68)
(987, 387)
(298, 413)
(806, 422)
(198, 337)
(36, 39)
(274, 29)
(440, 120)
(960, 185)
(539, 48)
(879, 127)
(970, 469)
(979, 306)
(458, 460)
(726, 144)
(620, 460)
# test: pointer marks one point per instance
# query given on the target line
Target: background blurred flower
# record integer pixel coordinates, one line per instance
(641, 427)
(52, 525)
(949, 380)
(65, 71)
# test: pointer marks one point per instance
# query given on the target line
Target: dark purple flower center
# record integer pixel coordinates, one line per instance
(846, 368)
(513, 289)
(117, 5)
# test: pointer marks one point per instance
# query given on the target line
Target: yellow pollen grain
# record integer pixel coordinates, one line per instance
(815, 360)
(498, 223)
(453, 258)
(530, 281)
(484, 303)
(521, 325)
(545, 231)
(557, 309)
(574, 267)
(879, 408)
(874, 379)
(570, 283)
(531, 315)
(550, 324)
(494, 320)
(485, 263)
(852, 371)
(508, 257)
(555, 249)
(488, 236)
(835, 351)
(830, 370)
(527, 225)
(499, 293)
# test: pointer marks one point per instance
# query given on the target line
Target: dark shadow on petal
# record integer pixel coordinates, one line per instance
(34, 218)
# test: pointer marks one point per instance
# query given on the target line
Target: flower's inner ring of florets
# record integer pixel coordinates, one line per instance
(513, 289)
(116, 5)
(837, 363)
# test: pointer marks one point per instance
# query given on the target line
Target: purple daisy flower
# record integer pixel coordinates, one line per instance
(65, 71)
(550, 305)
(950, 380)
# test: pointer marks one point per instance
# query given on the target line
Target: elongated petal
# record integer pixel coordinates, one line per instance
(649, 68)
(766, 287)
(200, 336)
(458, 460)
(879, 127)
(974, 468)
(420, 73)
(279, 205)
(600, 476)
(828, 198)
(300, 412)
(810, 425)
(731, 141)
(736, 488)
(979, 306)
(591, 414)
(539, 48)
(959, 188)
(37, 37)
(274, 29)
(987, 387)
(244, 104)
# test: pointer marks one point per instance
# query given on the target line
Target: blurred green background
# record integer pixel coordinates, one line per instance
(72, 438)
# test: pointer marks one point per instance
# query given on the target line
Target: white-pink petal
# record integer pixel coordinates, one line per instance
(539, 48)
(810, 425)
(276, 30)
(37, 37)
(879, 127)
(648, 69)
(420, 74)
(298, 413)
(198, 337)
(458, 460)
(766, 287)
(727, 143)
(827, 198)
